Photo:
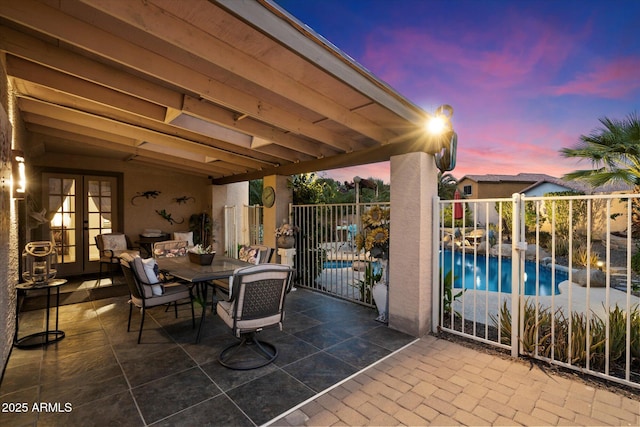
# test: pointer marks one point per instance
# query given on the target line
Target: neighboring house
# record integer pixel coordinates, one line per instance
(503, 186)
(530, 184)
(475, 187)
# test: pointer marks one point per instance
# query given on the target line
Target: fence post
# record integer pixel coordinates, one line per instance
(515, 274)
(435, 259)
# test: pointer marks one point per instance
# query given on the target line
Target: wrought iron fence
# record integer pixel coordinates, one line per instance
(552, 278)
(327, 258)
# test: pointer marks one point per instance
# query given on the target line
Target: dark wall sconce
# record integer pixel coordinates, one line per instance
(18, 174)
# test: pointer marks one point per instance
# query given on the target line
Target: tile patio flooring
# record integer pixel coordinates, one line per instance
(169, 380)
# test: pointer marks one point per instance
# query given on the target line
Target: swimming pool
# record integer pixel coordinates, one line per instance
(478, 280)
(337, 264)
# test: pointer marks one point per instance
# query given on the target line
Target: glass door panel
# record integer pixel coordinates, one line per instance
(99, 203)
(80, 208)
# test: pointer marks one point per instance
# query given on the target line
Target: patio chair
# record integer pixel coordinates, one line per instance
(258, 254)
(170, 248)
(256, 303)
(110, 247)
(184, 235)
(147, 293)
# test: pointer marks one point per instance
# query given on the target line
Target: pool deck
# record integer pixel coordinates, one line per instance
(438, 382)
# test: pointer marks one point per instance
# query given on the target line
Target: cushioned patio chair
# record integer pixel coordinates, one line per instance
(147, 293)
(110, 247)
(256, 303)
(254, 254)
(170, 248)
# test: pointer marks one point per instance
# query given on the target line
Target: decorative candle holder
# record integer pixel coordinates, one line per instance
(38, 262)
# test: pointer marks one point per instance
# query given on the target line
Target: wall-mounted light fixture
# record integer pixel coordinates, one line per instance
(440, 124)
(18, 174)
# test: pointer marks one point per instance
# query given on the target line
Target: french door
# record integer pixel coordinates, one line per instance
(80, 208)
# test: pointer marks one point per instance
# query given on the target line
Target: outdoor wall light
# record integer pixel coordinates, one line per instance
(439, 125)
(18, 174)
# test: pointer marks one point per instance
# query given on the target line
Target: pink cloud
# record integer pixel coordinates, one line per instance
(618, 79)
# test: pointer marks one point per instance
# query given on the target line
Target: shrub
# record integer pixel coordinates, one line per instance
(536, 335)
(635, 260)
(581, 256)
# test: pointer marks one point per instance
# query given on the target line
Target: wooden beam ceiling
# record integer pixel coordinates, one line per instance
(230, 90)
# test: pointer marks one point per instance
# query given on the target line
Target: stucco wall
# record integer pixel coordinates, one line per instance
(8, 233)
(138, 178)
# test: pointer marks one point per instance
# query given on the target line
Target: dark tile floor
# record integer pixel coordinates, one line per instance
(98, 375)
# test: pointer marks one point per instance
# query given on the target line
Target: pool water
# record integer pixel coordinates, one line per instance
(337, 264)
(478, 279)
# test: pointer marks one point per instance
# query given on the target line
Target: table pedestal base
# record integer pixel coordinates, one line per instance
(39, 339)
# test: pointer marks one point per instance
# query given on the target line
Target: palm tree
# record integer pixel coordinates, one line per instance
(447, 185)
(614, 151)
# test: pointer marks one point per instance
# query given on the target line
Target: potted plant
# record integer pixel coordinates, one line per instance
(374, 238)
(201, 255)
(285, 236)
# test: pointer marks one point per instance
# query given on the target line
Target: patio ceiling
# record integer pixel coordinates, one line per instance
(229, 89)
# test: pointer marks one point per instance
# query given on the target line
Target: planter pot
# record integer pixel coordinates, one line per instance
(380, 292)
(201, 259)
(286, 242)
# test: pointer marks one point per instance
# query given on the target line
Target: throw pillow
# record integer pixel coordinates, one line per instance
(151, 272)
(249, 254)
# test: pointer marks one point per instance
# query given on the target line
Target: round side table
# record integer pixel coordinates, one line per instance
(48, 336)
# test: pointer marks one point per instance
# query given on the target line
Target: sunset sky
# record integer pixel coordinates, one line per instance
(525, 77)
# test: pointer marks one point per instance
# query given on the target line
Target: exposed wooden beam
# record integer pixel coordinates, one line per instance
(26, 70)
(371, 155)
(211, 112)
(56, 24)
(183, 164)
(124, 129)
(155, 20)
(35, 50)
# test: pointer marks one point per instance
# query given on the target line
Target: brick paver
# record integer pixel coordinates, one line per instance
(439, 382)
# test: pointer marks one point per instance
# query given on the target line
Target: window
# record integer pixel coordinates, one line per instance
(466, 190)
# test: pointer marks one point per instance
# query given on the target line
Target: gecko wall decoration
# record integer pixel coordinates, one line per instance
(166, 215)
(184, 199)
(151, 194)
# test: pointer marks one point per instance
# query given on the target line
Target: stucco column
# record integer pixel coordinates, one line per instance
(279, 212)
(413, 185)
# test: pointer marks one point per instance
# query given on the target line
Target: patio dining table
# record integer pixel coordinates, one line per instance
(200, 275)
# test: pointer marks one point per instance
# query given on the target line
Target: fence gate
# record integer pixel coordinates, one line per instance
(327, 257)
(545, 277)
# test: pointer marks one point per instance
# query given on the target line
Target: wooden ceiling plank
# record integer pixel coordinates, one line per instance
(26, 70)
(155, 20)
(86, 119)
(112, 47)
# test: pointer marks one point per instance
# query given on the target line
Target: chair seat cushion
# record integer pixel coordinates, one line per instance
(171, 293)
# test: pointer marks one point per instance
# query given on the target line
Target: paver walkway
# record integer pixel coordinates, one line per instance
(438, 382)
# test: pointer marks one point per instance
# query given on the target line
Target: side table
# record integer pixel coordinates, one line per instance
(47, 336)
